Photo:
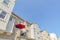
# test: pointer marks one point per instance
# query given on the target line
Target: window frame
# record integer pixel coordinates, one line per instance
(20, 21)
(3, 15)
(10, 19)
(6, 2)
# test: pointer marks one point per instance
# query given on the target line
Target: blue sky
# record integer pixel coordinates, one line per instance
(46, 13)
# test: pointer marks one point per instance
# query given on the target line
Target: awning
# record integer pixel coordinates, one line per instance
(20, 26)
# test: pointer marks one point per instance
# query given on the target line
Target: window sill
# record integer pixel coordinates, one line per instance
(2, 20)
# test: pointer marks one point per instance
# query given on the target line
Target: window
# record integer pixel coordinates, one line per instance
(20, 21)
(0, 11)
(6, 2)
(27, 30)
(2, 14)
(10, 19)
(37, 32)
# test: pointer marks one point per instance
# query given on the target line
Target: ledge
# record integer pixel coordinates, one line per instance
(2, 20)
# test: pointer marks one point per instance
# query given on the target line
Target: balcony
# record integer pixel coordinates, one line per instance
(27, 36)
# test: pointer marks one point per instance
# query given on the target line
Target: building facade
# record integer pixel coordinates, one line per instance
(35, 31)
(13, 33)
(6, 7)
(8, 21)
(20, 34)
(53, 36)
(44, 35)
(30, 32)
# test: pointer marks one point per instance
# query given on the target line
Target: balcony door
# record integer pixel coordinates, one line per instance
(10, 25)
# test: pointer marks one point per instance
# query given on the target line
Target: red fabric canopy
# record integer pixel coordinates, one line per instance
(20, 26)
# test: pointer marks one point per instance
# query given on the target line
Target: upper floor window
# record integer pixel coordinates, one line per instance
(20, 21)
(6, 2)
(10, 18)
(2, 14)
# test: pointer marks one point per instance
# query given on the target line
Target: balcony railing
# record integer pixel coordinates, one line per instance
(26, 35)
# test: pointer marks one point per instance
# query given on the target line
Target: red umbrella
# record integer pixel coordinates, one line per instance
(20, 26)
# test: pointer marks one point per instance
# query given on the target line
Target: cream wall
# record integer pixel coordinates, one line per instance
(45, 35)
(35, 31)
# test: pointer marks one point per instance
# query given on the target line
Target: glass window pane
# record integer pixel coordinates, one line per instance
(20, 21)
(6, 2)
(0, 11)
(10, 19)
(2, 14)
